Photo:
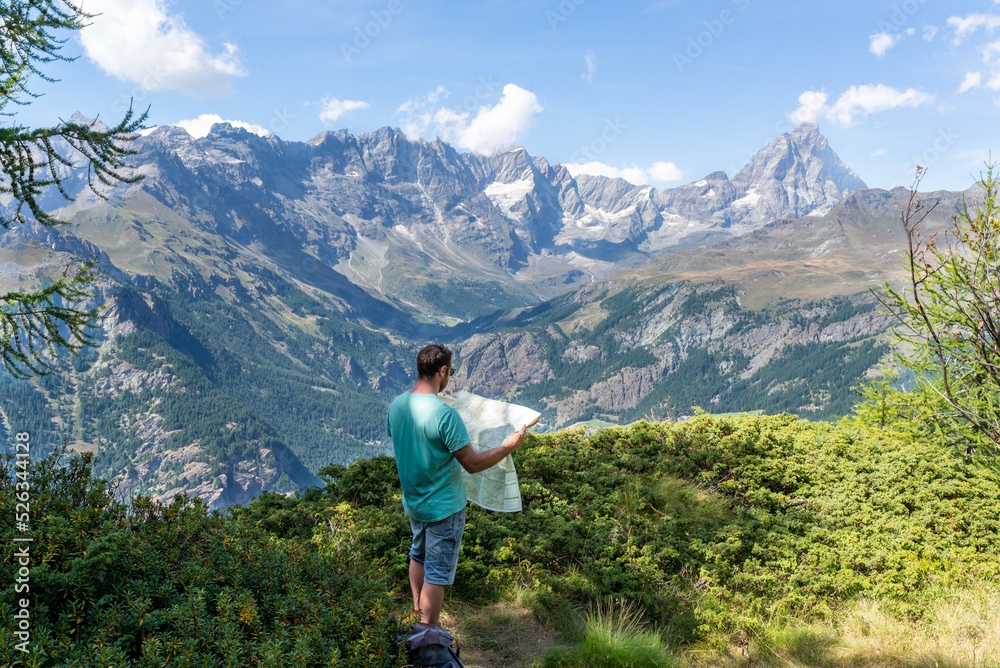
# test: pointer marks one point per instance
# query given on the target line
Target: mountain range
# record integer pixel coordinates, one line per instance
(269, 296)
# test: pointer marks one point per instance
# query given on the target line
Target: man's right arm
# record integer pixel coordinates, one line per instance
(474, 462)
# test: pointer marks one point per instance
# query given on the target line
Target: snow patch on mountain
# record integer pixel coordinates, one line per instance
(507, 196)
(752, 198)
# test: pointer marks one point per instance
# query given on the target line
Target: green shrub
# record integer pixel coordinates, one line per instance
(147, 584)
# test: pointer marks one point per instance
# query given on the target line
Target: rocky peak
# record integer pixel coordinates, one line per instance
(226, 130)
(513, 166)
(390, 155)
(608, 193)
(795, 175)
(172, 134)
(95, 123)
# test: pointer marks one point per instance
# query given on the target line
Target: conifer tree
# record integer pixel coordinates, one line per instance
(35, 326)
(948, 314)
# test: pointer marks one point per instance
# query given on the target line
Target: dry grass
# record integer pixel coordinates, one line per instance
(815, 278)
(962, 630)
(501, 635)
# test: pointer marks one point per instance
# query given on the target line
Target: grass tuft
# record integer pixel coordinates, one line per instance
(614, 637)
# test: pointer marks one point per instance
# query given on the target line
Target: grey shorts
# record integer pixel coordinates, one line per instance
(436, 545)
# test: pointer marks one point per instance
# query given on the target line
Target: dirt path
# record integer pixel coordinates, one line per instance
(499, 635)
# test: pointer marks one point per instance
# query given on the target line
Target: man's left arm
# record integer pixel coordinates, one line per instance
(474, 462)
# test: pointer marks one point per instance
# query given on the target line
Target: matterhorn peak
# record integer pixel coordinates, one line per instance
(807, 134)
(806, 129)
(797, 174)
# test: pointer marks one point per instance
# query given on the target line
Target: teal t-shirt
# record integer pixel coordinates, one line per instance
(425, 432)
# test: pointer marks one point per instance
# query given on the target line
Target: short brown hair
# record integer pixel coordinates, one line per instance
(431, 358)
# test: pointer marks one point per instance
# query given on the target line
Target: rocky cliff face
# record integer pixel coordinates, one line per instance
(692, 338)
(412, 222)
(155, 452)
(498, 364)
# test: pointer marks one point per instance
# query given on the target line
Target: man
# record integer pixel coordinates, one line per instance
(431, 444)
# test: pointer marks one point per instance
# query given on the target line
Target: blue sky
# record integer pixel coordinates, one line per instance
(658, 91)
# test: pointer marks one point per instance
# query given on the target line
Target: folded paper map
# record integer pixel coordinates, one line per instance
(490, 422)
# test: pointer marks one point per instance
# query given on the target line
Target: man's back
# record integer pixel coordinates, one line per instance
(432, 447)
(425, 432)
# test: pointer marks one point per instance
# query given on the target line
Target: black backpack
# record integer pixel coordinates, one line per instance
(432, 647)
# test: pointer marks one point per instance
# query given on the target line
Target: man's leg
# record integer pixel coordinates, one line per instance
(431, 602)
(443, 541)
(416, 581)
(417, 557)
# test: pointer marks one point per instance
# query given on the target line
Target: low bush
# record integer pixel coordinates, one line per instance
(147, 584)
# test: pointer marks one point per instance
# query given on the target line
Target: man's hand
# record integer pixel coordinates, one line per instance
(515, 440)
(474, 462)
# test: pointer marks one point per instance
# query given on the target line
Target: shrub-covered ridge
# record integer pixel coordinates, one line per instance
(709, 525)
(713, 530)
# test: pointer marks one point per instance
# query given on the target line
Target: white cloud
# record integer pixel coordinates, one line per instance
(592, 61)
(416, 127)
(488, 131)
(665, 172)
(658, 172)
(812, 105)
(881, 42)
(503, 124)
(965, 26)
(855, 101)
(139, 41)
(333, 109)
(929, 32)
(877, 152)
(972, 80)
(422, 102)
(633, 174)
(865, 100)
(199, 127)
(990, 53)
